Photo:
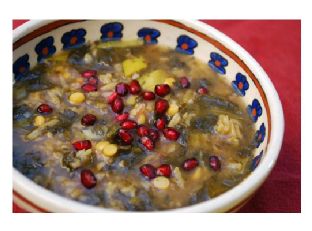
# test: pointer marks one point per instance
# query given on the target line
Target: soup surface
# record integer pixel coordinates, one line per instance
(129, 126)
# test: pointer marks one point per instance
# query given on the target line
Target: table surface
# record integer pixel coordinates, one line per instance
(276, 45)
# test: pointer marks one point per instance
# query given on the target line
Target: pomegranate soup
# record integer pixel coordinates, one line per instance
(130, 126)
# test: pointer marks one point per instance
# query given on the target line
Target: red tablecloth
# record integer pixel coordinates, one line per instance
(276, 46)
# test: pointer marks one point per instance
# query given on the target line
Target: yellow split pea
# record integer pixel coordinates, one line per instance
(77, 98)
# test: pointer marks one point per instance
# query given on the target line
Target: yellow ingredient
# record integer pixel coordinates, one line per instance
(39, 120)
(169, 81)
(131, 66)
(110, 150)
(141, 119)
(77, 98)
(161, 182)
(148, 81)
(131, 100)
(101, 145)
(173, 109)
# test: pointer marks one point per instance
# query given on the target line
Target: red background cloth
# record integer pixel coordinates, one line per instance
(276, 45)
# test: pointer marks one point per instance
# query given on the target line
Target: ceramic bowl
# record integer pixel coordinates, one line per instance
(37, 40)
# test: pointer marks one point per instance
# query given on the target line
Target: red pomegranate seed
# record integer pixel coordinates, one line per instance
(125, 136)
(88, 120)
(147, 142)
(214, 163)
(122, 117)
(88, 178)
(117, 105)
(161, 123)
(93, 80)
(164, 170)
(89, 73)
(134, 87)
(88, 87)
(121, 89)
(190, 164)
(148, 171)
(153, 134)
(148, 95)
(142, 130)
(171, 133)
(161, 106)
(162, 90)
(112, 97)
(82, 145)
(44, 109)
(202, 90)
(128, 124)
(184, 82)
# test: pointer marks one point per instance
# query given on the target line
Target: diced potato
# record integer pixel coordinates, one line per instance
(149, 80)
(39, 120)
(169, 81)
(131, 66)
(161, 182)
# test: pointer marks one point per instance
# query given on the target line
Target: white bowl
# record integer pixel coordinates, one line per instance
(35, 198)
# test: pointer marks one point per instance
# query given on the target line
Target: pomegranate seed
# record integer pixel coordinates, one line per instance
(214, 163)
(88, 120)
(161, 106)
(88, 87)
(142, 131)
(134, 87)
(93, 80)
(161, 123)
(117, 105)
(112, 97)
(122, 116)
(128, 124)
(125, 137)
(184, 82)
(44, 109)
(89, 73)
(88, 178)
(148, 95)
(171, 133)
(164, 170)
(82, 145)
(148, 171)
(190, 164)
(202, 90)
(162, 90)
(121, 89)
(153, 134)
(147, 142)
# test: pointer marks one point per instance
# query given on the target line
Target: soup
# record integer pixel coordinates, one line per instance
(130, 126)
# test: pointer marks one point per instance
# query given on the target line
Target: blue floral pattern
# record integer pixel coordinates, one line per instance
(240, 85)
(186, 45)
(255, 161)
(111, 31)
(149, 35)
(217, 63)
(73, 38)
(21, 67)
(254, 110)
(45, 48)
(260, 135)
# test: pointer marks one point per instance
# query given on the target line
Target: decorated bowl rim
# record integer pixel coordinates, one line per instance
(47, 200)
